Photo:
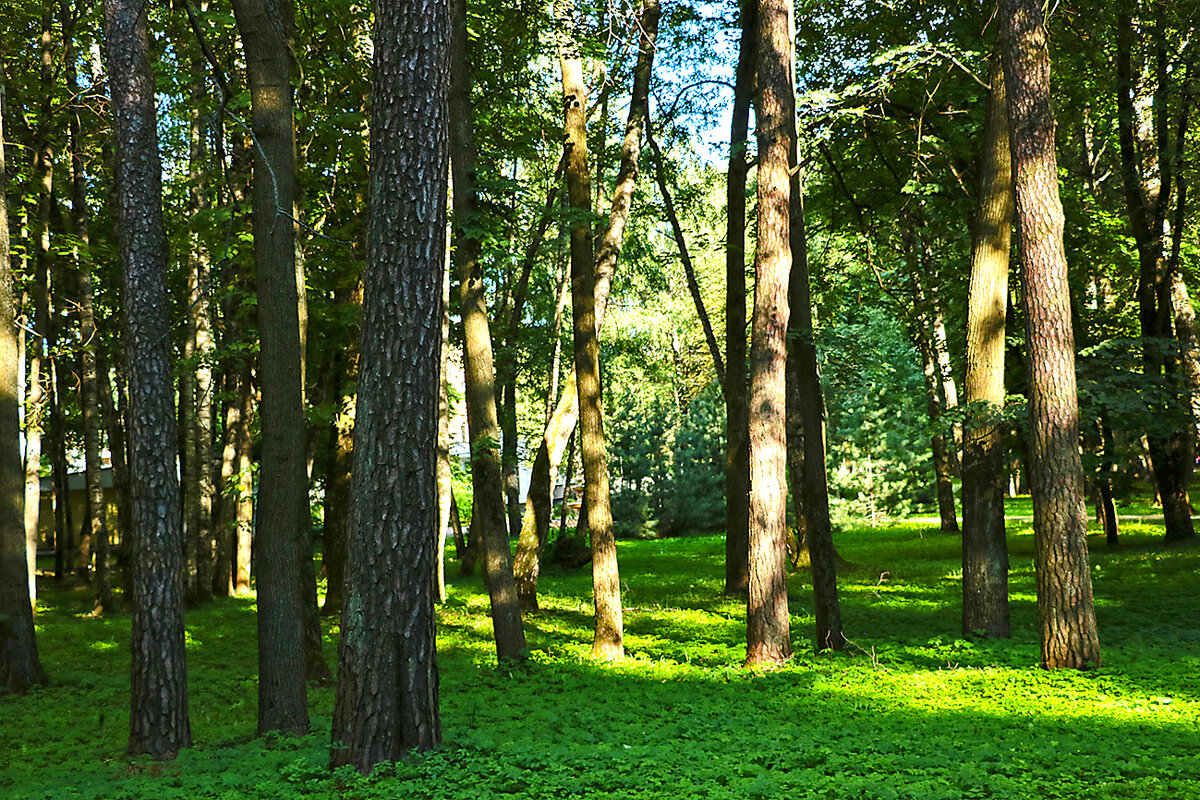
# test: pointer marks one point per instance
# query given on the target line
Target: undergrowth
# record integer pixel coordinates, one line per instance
(914, 710)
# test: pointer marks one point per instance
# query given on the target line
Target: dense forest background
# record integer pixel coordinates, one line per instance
(269, 119)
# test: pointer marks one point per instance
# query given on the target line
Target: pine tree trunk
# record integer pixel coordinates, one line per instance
(283, 524)
(159, 723)
(20, 667)
(487, 515)
(387, 693)
(737, 452)
(767, 630)
(985, 548)
(1066, 614)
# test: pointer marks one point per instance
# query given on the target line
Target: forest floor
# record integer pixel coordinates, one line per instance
(914, 710)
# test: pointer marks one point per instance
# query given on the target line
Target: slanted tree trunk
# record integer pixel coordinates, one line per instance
(985, 549)
(1066, 614)
(737, 434)
(487, 515)
(159, 723)
(20, 667)
(685, 259)
(282, 532)
(538, 505)
(806, 403)
(387, 693)
(768, 639)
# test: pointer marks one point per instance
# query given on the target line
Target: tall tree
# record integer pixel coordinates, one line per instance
(1066, 613)
(387, 692)
(562, 420)
(281, 541)
(737, 432)
(20, 667)
(158, 722)
(767, 630)
(488, 516)
(806, 404)
(984, 547)
(1148, 195)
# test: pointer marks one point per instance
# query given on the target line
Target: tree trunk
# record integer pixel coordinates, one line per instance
(1146, 199)
(199, 486)
(538, 505)
(942, 467)
(487, 515)
(445, 478)
(282, 532)
(1189, 362)
(20, 667)
(1066, 614)
(767, 630)
(737, 452)
(97, 522)
(114, 429)
(806, 403)
(387, 693)
(159, 723)
(244, 515)
(35, 396)
(985, 548)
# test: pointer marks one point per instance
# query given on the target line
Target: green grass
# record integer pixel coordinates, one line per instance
(914, 711)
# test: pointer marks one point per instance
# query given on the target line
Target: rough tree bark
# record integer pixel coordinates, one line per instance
(158, 723)
(984, 547)
(20, 667)
(768, 638)
(1066, 613)
(487, 515)
(737, 433)
(387, 693)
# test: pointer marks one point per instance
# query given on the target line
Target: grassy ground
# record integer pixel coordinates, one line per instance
(914, 711)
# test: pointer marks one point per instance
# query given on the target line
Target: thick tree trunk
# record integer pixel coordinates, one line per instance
(282, 532)
(487, 515)
(985, 549)
(159, 709)
(1066, 613)
(20, 667)
(768, 638)
(538, 505)
(737, 452)
(387, 693)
